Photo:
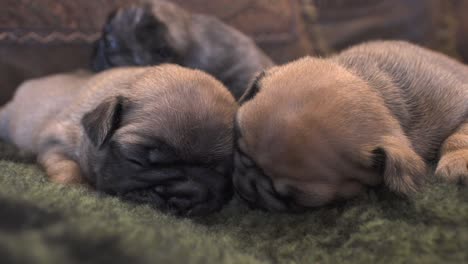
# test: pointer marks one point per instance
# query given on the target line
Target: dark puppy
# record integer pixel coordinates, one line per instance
(162, 32)
(159, 135)
(317, 130)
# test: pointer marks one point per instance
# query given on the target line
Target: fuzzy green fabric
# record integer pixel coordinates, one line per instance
(41, 222)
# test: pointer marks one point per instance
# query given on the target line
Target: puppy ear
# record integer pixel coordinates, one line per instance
(101, 123)
(253, 89)
(111, 16)
(150, 30)
(402, 168)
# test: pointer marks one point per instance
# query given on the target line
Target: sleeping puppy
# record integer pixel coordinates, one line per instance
(318, 130)
(160, 32)
(159, 135)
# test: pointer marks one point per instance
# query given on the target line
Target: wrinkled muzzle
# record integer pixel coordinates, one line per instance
(185, 191)
(257, 189)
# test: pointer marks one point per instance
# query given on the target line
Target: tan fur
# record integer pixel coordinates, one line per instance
(169, 101)
(315, 125)
(453, 164)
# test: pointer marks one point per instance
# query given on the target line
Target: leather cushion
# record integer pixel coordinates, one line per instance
(40, 37)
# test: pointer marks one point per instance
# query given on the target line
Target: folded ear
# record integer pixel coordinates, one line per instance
(153, 35)
(111, 16)
(150, 30)
(253, 89)
(403, 169)
(101, 123)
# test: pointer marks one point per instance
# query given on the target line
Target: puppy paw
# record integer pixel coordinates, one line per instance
(61, 170)
(453, 167)
(66, 172)
(404, 171)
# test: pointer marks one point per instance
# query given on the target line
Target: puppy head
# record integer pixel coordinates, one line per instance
(167, 140)
(309, 133)
(150, 34)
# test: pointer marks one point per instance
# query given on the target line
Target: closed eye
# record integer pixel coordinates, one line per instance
(163, 154)
(136, 162)
(129, 153)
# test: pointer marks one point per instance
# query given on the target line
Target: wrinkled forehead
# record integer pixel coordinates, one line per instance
(191, 130)
(179, 105)
(191, 136)
(175, 89)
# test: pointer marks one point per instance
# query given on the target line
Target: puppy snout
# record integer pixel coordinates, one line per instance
(213, 189)
(189, 191)
(256, 188)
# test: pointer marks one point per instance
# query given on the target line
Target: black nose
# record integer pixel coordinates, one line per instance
(196, 191)
(257, 189)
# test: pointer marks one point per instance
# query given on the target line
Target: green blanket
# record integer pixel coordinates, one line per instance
(41, 222)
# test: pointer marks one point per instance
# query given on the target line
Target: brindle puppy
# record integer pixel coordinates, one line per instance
(159, 135)
(162, 32)
(317, 130)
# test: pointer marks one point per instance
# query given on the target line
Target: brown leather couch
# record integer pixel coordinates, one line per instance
(39, 37)
(45, 36)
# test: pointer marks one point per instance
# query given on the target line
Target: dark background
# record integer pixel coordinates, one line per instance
(39, 37)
